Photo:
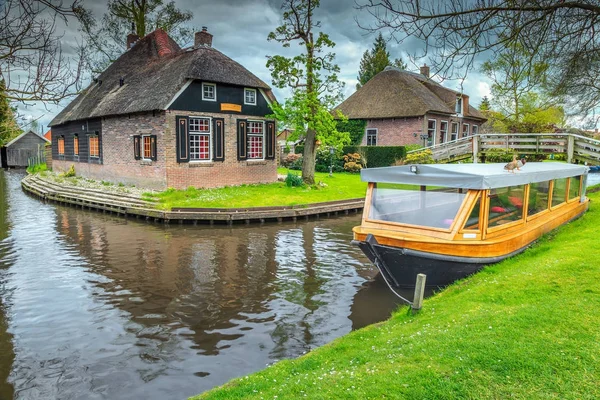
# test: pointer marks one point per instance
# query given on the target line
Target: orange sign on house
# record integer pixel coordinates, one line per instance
(231, 107)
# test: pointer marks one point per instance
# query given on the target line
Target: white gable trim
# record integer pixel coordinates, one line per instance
(262, 92)
(23, 134)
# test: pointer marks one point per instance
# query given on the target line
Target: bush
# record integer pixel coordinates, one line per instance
(353, 162)
(70, 172)
(377, 156)
(419, 157)
(290, 159)
(324, 159)
(293, 180)
(355, 127)
(498, 155)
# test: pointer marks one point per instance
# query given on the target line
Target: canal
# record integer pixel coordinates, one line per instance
(94, 306)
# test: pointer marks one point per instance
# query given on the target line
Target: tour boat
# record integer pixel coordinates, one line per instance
(449, 220)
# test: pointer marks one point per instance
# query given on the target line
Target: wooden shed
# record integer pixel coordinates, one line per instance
(20, 149)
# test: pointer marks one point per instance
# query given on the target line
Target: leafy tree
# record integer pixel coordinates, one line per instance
(375, 60)
(562, 33)
(312, 77)
(485, 104)
(8, 125)
(106, 41)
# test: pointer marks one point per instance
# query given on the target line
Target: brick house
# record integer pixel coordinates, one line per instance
(161, 116)
(403, 108)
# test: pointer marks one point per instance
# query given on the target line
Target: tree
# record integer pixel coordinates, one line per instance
(9, 129)
(106, 41)
(563, 33)
(375, 60)
(32, 64)
(312, 77)
(485, 104)
(515, 73)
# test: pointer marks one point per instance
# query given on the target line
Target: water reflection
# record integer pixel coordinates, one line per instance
(103, 307)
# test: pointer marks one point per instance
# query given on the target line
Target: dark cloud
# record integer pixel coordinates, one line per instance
(240, 29)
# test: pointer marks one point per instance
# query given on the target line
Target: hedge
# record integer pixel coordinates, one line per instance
(375, 156)
(355, 127)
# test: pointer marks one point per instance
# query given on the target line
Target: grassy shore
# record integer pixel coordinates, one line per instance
(525, 328)
(340, 186)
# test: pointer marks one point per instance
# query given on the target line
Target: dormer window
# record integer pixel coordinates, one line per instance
(209, 92)
(459, 105)
(250, 97)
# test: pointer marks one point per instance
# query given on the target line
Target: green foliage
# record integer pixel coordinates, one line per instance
(498, 155)
(413, 146)
(378, 156)
(9, 129)
(324, 159)
(291, 159)
(353, 162)
(420, 157)
(375, 60)
(293, 180)
(34, 169)
(70, 172)
(355, 127)
(485, 104)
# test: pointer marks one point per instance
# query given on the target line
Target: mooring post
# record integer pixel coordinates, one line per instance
(419, 292)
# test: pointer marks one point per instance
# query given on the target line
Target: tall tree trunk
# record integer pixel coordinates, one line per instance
(309, 157)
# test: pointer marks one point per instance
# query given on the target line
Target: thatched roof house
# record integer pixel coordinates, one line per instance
(404, 107)
(172, 109)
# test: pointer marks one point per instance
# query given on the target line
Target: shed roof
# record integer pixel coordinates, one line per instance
(472, 176)
(396, 93)
(152, 73)
(15, 140)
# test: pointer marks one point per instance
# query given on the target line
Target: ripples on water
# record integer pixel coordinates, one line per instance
(94, 306)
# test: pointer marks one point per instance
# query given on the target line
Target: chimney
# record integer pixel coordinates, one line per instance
(203, 38)
(132, 38)
(465, 104)
(425, 70)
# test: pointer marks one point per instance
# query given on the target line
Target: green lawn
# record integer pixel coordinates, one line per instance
(526, 328)
(338, 187)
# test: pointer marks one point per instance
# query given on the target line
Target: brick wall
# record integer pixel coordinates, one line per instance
(215, 174)
(405, 131)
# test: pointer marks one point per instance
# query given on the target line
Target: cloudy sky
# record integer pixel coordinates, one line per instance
(240, 29)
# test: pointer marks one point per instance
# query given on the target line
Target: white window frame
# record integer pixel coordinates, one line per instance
(376, 136)
(445, 138)
(473, 129)
(199, 133)
(452, 125)
(434, 131)
(214, 86)
(248, 135)
(246, 90)
(459, 105)
(463, 130)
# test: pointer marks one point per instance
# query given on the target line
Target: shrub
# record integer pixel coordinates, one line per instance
(353, 162)
(371, 156)
(355, 127)
(498, 155)
(70, 172)
(324, 159)
(293, 180)
(290, 159)
(419, 157)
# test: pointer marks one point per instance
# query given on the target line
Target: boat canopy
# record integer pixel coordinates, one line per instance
(472, 176)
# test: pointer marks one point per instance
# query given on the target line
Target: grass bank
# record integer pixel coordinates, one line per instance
(525, 328)
(340, 186)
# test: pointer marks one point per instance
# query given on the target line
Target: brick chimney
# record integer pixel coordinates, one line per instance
(203, 38)
(425, 70)
(132, 38)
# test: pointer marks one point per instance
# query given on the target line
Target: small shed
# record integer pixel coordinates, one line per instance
(25, 146)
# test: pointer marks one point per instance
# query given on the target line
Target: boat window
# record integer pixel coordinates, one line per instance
(538, 197)
(559, 192)
(473, 220)
(574, 187)
(506, 205)
(431, 207)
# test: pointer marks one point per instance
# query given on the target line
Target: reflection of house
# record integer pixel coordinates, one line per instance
(20, 149)
(161, 116)
(403, 107)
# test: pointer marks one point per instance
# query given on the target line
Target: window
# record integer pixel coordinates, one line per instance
(371, 137)
(431, 125)
(200, 139)
(473, 220)
(454, 134)
(538, 197)
(459, 105)
(443, 131)
(505, 205)
(61, 146)
(94, 146)
(209, 91)
(250, 96)
(146, 147)
(559, 192)
(574, 187)
(76, 145)
(465, 130)
(475, 130)
(256, 136)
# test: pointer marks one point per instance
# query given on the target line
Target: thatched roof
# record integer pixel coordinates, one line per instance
(153, 71)
(394, 93)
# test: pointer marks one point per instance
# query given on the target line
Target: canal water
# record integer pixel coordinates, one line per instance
(94, 306)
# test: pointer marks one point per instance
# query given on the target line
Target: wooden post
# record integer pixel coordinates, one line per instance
(419, 292)
(475, 148)
(570, 148)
